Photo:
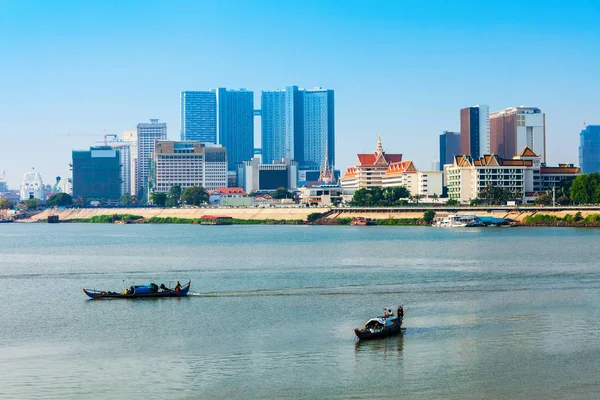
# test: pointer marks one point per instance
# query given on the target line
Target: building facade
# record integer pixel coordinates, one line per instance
(298, 124)
(515, 128)
(449, 147)
(475, 131)
(589, 149)
(33, 187)
(235, 124)
(125, 160)
(97, 174)
(253, 176)
(369, 169)
(524, 176)
(199, 116)
(147, 135)
(421, 183)
(186, 164)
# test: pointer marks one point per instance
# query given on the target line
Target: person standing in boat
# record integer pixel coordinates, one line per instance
(178, 287)
(400, 312)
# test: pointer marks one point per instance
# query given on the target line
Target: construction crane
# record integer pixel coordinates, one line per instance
(106, 135)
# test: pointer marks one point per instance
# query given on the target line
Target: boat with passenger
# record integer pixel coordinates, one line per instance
(456, 221)
(141, 291)
(386, 325)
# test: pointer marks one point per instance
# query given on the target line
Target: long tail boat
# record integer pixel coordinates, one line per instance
(141, 291)
(386, 325)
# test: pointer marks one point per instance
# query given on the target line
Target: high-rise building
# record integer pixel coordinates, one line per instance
(147, 135)
(589, 149)
(97, 174)
(125, 160)
(254, 176)
(514, 128)
(449, 147)
(188, 163)
(299, 124)
(235, 124)
(199, 116)
(130, 137)
(475, 131)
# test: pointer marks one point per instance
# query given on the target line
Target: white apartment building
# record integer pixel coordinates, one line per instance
(131, 138)
(524, 176)
(422, 183)
(188, 163)
(33, 187)
(147, 135)
(125, 161)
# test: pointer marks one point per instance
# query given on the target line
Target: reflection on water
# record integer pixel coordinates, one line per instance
(387, 346)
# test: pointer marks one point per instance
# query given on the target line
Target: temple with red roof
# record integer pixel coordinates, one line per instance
(369, 169)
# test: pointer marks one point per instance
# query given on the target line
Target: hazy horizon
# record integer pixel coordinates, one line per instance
(403, 69)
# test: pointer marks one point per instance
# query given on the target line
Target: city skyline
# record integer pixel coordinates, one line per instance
(402, 70)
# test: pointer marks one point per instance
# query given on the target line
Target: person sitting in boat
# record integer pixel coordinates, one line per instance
(164, 288)
(387, 312)
(178, 287)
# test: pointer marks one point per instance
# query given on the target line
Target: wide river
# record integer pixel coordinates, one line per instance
(492, 313)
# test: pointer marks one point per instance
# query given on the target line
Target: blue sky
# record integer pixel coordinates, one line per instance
(404, 68)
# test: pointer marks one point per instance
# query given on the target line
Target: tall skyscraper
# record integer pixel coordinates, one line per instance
(449, 147)
(199, 116)
(475, 131)
(97, 174)
(235, 124)
(298, 124)
(516, 127)
(147, 135)
(589, 149)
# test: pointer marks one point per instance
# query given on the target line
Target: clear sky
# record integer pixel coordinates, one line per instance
(404, 68)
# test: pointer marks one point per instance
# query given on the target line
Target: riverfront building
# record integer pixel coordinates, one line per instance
(298, 124)
(199, 116)
(187, 163)
(369, 169)
(475, 131)
(97, 174)
(254, 176)
(449, 147)
(515, 128)
(33, 187)
(422, 183)
(524, 175)
(589, 149)
(147, 135)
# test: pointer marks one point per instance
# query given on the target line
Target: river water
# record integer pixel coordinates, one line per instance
(492, 313)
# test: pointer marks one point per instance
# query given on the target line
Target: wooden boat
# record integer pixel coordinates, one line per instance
(141, 291)
(362, 221)
(386, 325)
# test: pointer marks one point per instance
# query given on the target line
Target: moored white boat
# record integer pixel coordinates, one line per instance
(456, 221)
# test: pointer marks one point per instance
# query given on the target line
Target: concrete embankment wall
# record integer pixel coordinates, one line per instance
(253, 213)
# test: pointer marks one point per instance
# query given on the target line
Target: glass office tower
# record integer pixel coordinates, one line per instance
(199, 116)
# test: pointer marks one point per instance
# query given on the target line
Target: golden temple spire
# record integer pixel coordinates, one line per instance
(379, 148)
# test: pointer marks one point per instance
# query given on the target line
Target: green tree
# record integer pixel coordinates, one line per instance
(543, 200)
(79, 201)
(428, 216)
(59, 200)
(158, 199)
(194, 196)
(435, 198)
(282, 193)
(6, 204)
(31, 204)
(585, 189)
(174, 196)
(125, 200)
(563, 200)
(475, 202)
(452, 202)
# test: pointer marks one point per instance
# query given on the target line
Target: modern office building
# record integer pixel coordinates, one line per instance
(589, 149)
(199, 116)
(3, 186)
(235, 124)
(147, 135)
(524, 175)
(97, 174)
(369, 169)
(254, 176)
(299, 124)
(125, 160)
(33, 187)
(514, 128)
(187, 163)
(475, 131)
(449, 147)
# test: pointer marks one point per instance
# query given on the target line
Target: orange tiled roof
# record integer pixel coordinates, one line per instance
(527, 152)
(371, 159)
(559, 170)
(400, 168)
(233, 190)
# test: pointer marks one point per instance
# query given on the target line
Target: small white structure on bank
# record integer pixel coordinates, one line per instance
(33, 187)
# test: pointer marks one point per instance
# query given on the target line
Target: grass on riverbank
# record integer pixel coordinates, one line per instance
(567, 220)
(109, 219)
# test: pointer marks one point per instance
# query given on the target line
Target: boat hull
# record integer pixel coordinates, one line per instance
(388, 330)
(97, 294)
